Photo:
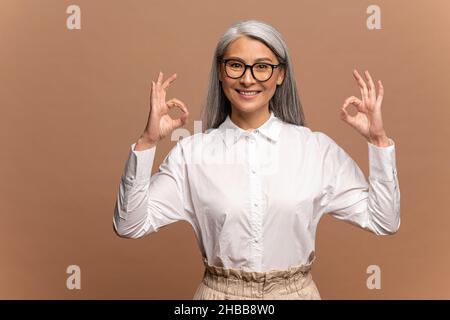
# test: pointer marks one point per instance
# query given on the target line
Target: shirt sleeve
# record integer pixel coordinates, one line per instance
(373, 205)
(146, 203)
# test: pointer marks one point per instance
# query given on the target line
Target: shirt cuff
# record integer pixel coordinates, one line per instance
(139, 164)
(382, 161)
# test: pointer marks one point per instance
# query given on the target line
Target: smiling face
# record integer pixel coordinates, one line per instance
(250, 51)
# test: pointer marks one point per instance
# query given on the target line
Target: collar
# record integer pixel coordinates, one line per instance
(231, 132)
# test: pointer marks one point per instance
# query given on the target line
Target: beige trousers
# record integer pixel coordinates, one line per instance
(220, 283)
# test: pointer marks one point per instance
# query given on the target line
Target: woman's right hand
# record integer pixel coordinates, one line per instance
(159, 123)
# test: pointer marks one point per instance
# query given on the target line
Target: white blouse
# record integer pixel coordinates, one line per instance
(254, 198)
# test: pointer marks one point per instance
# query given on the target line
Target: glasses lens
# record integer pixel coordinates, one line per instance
(234, 68)
(262, 71)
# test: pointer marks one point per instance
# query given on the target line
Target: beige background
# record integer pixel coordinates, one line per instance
(73, 101)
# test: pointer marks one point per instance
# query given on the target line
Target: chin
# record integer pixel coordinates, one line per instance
(247, 108)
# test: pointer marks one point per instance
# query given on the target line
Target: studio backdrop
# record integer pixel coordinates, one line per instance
(75, 80)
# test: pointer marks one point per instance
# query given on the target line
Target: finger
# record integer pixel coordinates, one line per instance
(354, 99)
(372, 90)
(177, 123)
(151, 90)
(156, 94)
(174, 102)
(161, 89)
(169, 81)
(344, 113)
(356, 102)
(160, 77)
(362, 85)
(153, 95)
(380, 93)
(346, 117)
(160, 94)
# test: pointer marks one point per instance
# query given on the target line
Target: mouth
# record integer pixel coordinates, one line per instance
(247, 94)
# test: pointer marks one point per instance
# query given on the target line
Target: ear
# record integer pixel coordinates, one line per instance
(281, 75)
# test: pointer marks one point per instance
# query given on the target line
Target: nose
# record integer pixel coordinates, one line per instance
(247, 77)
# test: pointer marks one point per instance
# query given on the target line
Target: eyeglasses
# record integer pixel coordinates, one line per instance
(261, 71)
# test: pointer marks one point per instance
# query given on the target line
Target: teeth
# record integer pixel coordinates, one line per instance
(248, 93)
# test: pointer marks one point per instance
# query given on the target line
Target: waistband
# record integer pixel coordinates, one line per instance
(255, 284)
(255, 276)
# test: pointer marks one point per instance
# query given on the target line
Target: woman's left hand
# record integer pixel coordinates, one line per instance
(368, 120)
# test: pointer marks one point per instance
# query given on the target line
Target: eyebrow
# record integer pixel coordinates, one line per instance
(257, 60)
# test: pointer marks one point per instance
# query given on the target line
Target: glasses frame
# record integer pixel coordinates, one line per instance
(273, 66)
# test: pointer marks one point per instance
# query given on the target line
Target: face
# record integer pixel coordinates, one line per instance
(250, 51)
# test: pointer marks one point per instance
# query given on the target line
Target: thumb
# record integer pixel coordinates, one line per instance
(177, 123)
(347, 118)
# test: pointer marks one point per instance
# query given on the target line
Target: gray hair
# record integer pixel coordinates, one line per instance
(285, 103)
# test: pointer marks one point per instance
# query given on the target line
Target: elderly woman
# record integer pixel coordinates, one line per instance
(256, 183)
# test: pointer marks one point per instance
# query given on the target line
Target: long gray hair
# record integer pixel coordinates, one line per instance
(285, 103)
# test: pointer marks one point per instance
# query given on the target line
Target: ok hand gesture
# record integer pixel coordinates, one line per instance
(368, 120)
(159, 123)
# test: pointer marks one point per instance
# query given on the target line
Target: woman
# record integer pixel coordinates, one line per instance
(255, 184)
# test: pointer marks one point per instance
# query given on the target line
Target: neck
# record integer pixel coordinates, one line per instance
(250, 120)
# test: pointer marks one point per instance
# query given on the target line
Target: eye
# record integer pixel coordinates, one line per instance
(236, 65)
(262, 66)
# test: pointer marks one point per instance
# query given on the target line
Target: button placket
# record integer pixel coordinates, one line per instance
(255, 198)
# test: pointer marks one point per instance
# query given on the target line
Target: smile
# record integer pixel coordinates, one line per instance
(247, 94)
